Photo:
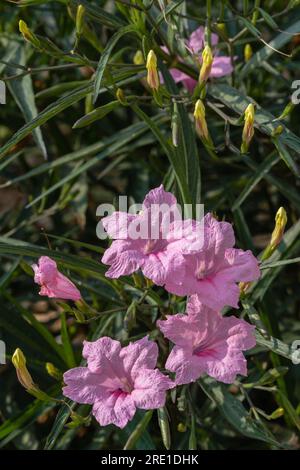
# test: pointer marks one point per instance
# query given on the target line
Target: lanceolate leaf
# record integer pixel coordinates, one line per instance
(105, 58)
(22, 90)
(234, 412)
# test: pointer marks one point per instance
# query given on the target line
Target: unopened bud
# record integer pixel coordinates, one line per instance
(287, 110)
(24, 377)
(200, 121)
(27, 34)
(152, 76)
(79, 19)
(207, 61)
(138, 58)
(121, 96)
(244, 286)
(277, 413)
(181, 427)
(248, 52)
(278, 130)
(248, 131)
(277, 234)
(280, 223)
(53, 371)
(221, 27)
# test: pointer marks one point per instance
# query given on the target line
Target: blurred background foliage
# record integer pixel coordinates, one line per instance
(58, 163)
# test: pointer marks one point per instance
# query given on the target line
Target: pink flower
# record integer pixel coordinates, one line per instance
(118, 380)
(206, 342)
(143, 241)
(221, 65)
(52, 282)
(214, 270)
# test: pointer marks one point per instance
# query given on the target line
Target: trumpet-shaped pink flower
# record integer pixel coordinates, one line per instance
(52, 282)
(206, 342)
(221, 65)
(143, 241)
(118, 380)
(214, 270)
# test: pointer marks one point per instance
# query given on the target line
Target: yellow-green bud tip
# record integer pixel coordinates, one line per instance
(18, 359)
(248, 52)
(207, 61)
(138, 58)
(151, 65)
(280, 223)
(200, 121)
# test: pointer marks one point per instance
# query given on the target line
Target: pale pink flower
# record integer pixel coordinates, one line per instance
(221, 64)
(151, 252)
(118, 380)
(207, 343)
(52, 282)
(214, 270)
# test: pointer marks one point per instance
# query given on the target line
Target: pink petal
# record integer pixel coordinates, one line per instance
(217, 292)
(196, 40)
(45, 271)
(116, 224)
(182, 330)
(150, 388)
(240, 266)
(117, 408)
(187, 367)
(140, 354)
(159, 196)
(103, 356)
(221, 66)
(123, 258)
(161, 266)
(83, 386)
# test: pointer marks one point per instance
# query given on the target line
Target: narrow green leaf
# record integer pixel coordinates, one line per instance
(22, 91)
(105, 58)
(234, 412)
(66, 343)
(261, 171)
(268, 19)
(265, 53)
(96, 114)
(139, 430)
(286, 157)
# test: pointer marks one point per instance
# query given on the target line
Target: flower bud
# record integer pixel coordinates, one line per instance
(200, 121)
(278, 130)
(79, 19)
(287, 110)
(24, 377)
(207, 61)
(248, 52)
(53, 371)
(280, 223)
(277, 413)
(248, 131)
(152, 76)
(27, 34)
(138, 58)
(120, 95)
(277, 234)
(181, 427)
